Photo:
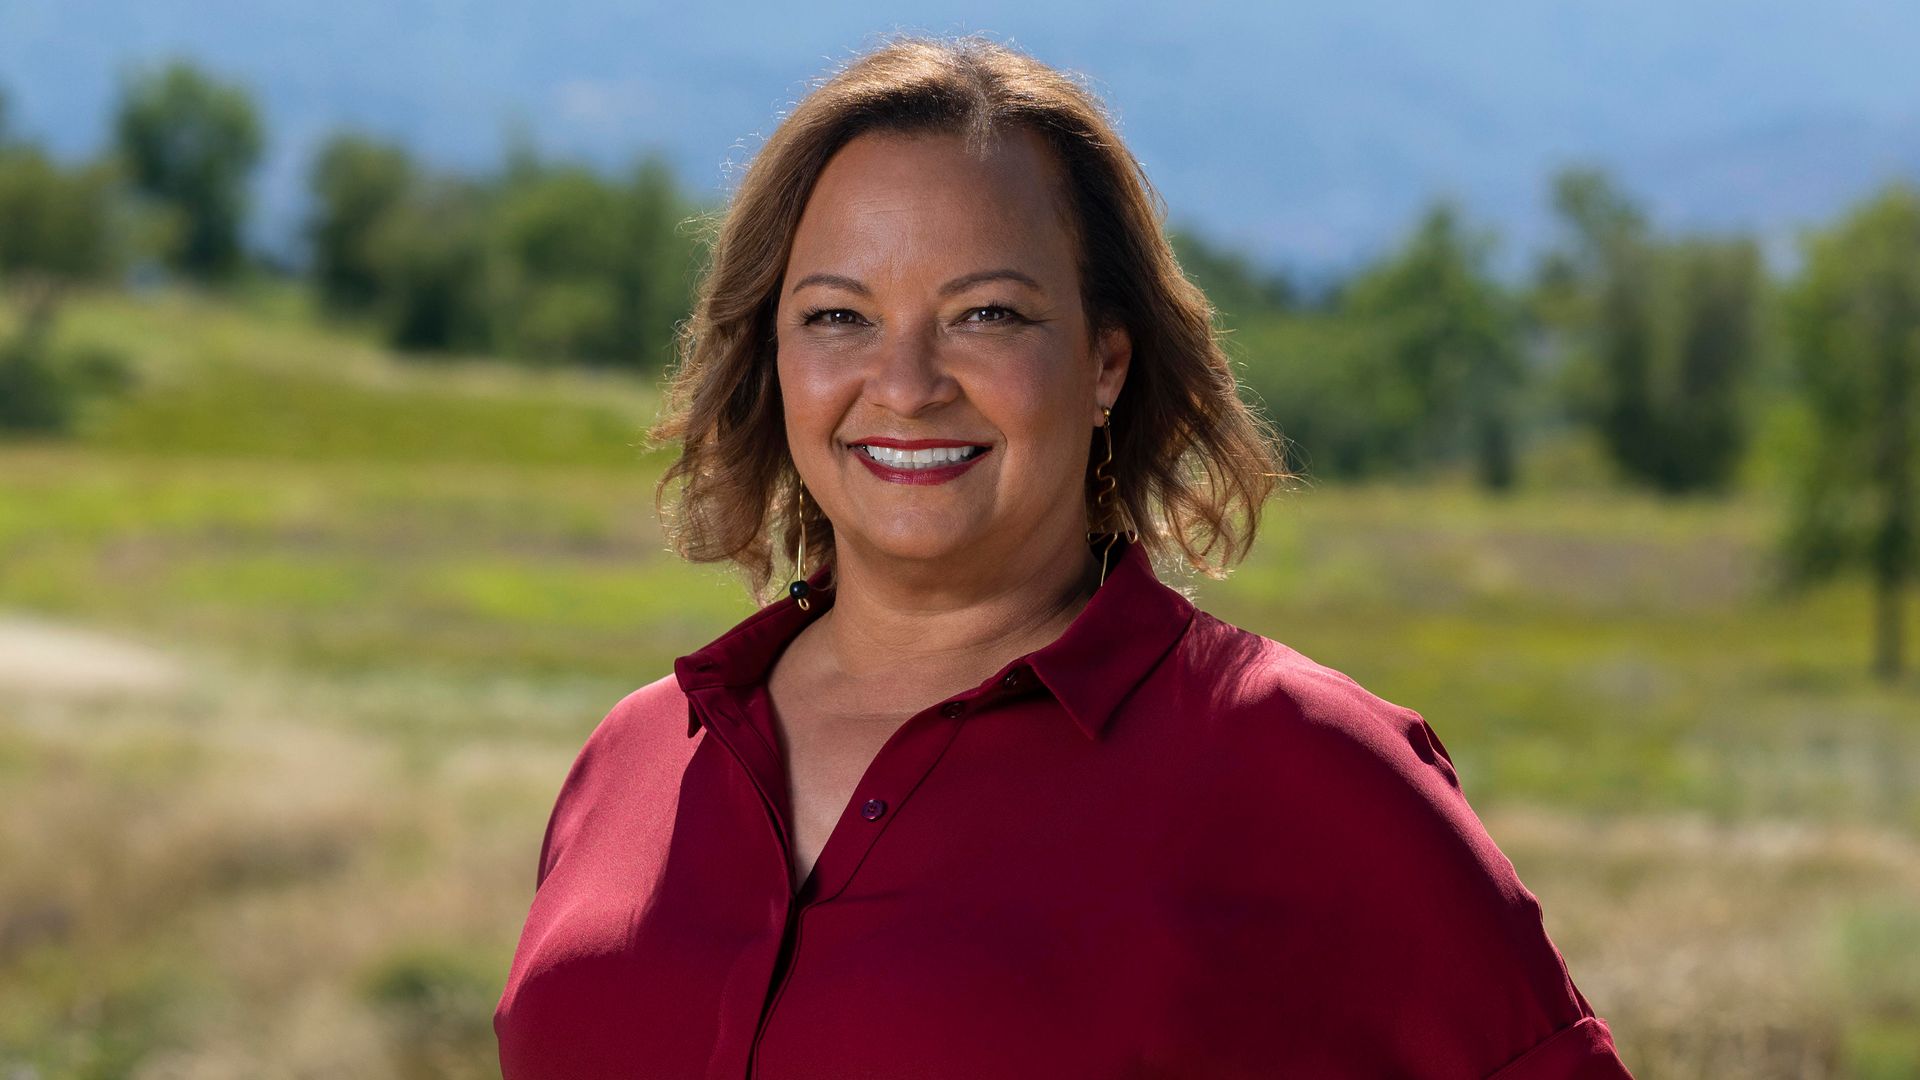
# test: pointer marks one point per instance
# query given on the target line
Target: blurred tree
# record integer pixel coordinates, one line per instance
(546, 262)
(555, 232)
(356, 182)
(655, 266)
(586, 268)
(56, 224)
(1602, 220)
(1328, 383)
(1717, 342)
(1656, 339)
(431, 253)
(1584, 301)
(1854, 322)
(1451, 334)
(56, 232)
(1235, 286)
(189, 142)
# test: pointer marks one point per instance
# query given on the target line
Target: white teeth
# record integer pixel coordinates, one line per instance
(918, 459)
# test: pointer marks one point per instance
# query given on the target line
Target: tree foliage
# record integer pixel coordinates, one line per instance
(1236, 287)
(1325, 381)
(189, 143)
(1854, 325)
(56, 222)
(545, 262)
(356, 182)
(1449, 335)
(1663, 333)
(430, 255)
(57, 231)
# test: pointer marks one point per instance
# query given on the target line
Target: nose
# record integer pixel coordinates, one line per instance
(909, 376)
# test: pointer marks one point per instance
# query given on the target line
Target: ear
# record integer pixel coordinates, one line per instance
(1113, 353)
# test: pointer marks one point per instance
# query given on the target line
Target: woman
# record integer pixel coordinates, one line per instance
(981, 796)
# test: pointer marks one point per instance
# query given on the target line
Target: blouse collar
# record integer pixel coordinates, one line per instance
(1115, 641)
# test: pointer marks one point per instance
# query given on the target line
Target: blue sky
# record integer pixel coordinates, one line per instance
(1309, 135)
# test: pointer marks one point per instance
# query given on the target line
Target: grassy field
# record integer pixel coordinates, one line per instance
(297, 641)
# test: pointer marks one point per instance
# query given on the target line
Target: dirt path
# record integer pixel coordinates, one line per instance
(41, 654)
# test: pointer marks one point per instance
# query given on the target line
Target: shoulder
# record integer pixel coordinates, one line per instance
(631, 755)
(643, 735)
(1343, 810)
(1335, 780)
(640, 724)
(1285, 738)
(1347, 808)
(1272, 706)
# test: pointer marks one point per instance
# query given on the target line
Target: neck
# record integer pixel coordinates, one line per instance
(890, 617)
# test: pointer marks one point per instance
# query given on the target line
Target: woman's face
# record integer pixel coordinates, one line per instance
(932, 298)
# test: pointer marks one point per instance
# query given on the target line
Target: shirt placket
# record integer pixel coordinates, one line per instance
(903, 762)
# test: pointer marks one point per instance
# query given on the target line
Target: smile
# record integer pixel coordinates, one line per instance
(935, 465)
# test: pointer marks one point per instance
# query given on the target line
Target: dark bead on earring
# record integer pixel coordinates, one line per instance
(798, 590)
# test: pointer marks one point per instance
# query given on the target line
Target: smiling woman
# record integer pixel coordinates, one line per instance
(1060, 250)
(954, 280)
(984, 796)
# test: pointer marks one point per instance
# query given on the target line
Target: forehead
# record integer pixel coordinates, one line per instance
(886, 197)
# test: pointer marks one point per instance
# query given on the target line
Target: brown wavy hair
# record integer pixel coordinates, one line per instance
(1194, 464)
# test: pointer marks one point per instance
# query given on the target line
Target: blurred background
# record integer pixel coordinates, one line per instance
(328, 336)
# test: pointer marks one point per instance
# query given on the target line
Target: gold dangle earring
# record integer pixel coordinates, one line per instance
(1103, 497)
(799, 588)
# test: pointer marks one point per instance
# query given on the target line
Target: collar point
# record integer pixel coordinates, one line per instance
(695, 671)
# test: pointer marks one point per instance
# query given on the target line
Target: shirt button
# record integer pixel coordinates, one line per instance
(952, 709)
(1012, 680)
(873, 809)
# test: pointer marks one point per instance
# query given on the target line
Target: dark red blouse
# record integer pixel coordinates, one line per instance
(1161, 846)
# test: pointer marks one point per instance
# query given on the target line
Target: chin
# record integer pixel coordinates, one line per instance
(917, 543)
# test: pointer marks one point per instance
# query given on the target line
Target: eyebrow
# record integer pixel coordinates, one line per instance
(964, 281)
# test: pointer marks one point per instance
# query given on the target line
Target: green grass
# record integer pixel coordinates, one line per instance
(1605, 651)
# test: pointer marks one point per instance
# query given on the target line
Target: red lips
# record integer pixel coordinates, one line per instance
(933, 474)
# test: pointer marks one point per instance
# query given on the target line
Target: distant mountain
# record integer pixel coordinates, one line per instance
(1308, 135)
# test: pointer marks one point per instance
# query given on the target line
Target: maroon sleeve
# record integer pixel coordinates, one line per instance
(1416, 913)
(570, 803)
(613, 745)
(1480, 945)
(1584, 1051)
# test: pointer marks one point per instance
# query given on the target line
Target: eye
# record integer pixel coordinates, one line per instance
(1006, 314)
(816, 314)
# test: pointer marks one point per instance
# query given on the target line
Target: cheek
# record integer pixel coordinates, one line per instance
(1033, 406)
(814, 391)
